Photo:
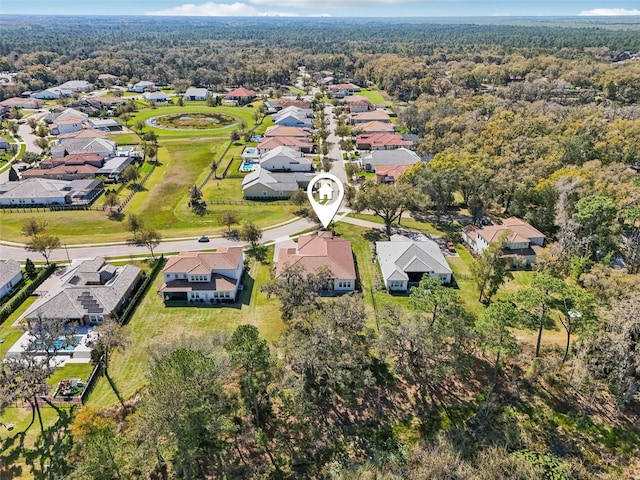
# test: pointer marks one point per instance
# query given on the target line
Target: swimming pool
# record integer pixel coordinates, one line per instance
(247, 167)
(61, 344)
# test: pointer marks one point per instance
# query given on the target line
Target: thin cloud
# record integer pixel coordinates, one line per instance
(212, 9)
(333, 3)
(609, 12)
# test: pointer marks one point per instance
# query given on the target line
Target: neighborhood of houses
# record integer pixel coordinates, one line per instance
(91, 291)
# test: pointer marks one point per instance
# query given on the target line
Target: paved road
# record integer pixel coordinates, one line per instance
(28, 137)
(19, 253)
(15, 251)
(335, 154)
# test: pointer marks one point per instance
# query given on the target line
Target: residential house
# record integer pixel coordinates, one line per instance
(370, 116)
(71, 167)
(522, 241)
(374, 127)
(322, 250)
(67, 121)
(399, 156)
(108, 79)
(381, 141)
(404, 262)
(262, 184)
(141, 87)
(10, 276)
(40, 191)
(83, 105)
(300, 144)
(4, 144)
(203, 276)
(358, 104)
(50, 94)
(89, 292)
(390, 173)
(285, 102)
(157, 97)
(74, 86)
(282, 131)
(19, 102)
(294, 117)
(342, 90)
(240, 95)
(86, 133)
(285, 159)
(195, 94)
(105, 103)
(71, 146)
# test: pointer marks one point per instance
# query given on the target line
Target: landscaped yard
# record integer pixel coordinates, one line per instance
(155, 327)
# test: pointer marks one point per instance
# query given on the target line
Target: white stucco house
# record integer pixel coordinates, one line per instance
(285, 159)
(199, 277)
(10, 276)
(141, 87)
(195, 94)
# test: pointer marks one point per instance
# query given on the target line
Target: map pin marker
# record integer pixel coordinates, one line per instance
(327, 197)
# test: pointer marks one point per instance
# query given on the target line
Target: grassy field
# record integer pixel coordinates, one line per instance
(155, 327)
(125, 138)
(239, 113)
(440, 229)
(375, 96)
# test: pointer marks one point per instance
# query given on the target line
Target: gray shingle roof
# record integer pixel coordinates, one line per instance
(79, 296)
(402, 255)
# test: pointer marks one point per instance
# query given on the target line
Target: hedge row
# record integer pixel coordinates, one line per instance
(29, 287)
(157, 266)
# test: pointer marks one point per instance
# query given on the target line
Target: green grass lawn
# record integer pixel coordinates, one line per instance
(125, 138)
(154, 327)
(375, 96)
(8, 331)
(70, 370)
(238, 113)
(411, 224)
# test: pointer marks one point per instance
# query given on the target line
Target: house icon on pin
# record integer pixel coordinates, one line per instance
(325, 191)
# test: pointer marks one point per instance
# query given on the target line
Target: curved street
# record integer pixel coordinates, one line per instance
(278, 234)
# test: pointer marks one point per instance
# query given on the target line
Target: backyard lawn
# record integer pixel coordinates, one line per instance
(154, 327)
(374, 96)
(412, 224)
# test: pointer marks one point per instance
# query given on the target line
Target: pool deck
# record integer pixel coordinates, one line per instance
(80, 354)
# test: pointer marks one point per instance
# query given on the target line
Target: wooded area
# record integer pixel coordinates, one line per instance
(537, 121)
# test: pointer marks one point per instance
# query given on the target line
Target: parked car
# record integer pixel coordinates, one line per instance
(203, 239)
(451, 247)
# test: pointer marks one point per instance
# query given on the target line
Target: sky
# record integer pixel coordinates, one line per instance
(330, 8)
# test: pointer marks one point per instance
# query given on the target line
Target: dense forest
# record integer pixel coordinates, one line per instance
(536, 120)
